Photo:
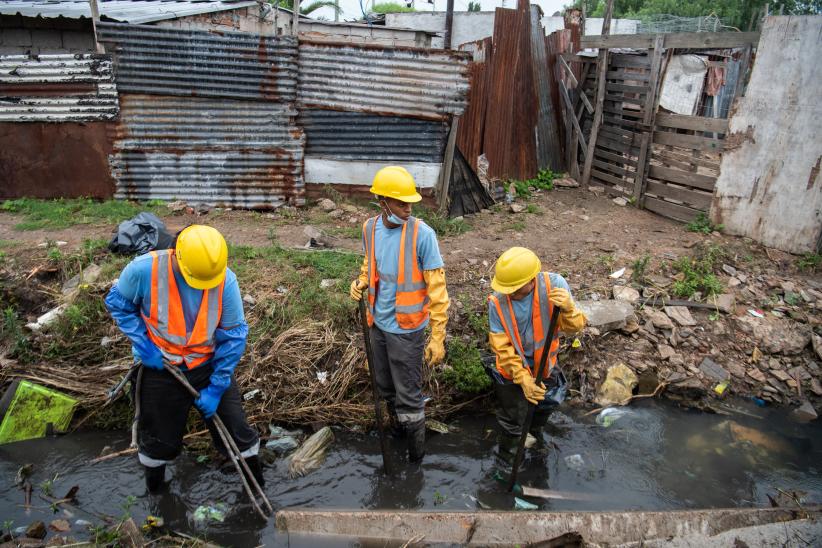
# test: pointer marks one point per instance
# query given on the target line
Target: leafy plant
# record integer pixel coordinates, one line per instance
(465, 371)
(443, 226)
(474, 6)
(12, 334)
(543, 181)
(439, 498)
(698, 273)
(532, 208)
(809, 261)
(309, 8)
(391, 7)
(703, 225)
(54, 254)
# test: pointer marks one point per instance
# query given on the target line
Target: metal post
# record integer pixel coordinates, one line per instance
(449, 22)
(336, 11)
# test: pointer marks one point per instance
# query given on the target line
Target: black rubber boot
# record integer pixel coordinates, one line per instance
(155, 478)
(506, 452)
(416, 440)
(256, 469)
(538, 424)
(394, 426)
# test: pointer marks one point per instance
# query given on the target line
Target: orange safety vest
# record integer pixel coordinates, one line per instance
(541, 310)
(412, 293)
(166, 322)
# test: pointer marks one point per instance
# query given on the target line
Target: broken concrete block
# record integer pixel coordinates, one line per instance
(724, 303)
(622, 202)
(626, 293)
(607, 315)
(713, 370)
(756, 374)
(659, 319)
(566, 182)
(517, 208)
(681, 315)
(326, 205)
(804, 413)
(88, 276)
(776, 336)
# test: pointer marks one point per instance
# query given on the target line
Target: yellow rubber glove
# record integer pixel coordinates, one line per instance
(438, 303)
(507, 358)
(571, 319)
(358, 285)
(534, 392)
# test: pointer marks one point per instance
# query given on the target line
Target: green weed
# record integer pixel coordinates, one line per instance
(607, 261)
(391, 7)
(13, 337)
(64, 213)
(443, 226)
(543, 181)
(699, 273)
(792, 299)
(703, 225)
(532, 208)
(639, 268)
(54, 254)
(809, 261)
(477, 322)
(466, 372)
(439, 498)
(517, 226)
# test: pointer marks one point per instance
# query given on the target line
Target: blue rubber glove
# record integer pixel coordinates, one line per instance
(209, 400)
(149, 355)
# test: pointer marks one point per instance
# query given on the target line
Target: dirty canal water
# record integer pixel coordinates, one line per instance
(655, 457)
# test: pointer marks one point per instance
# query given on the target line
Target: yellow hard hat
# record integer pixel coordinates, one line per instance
(202, 255)
(395, 182)
(515, 268)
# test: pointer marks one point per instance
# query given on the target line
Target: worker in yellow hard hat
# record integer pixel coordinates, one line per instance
(519, 312)
(182, 307)
(404, 275)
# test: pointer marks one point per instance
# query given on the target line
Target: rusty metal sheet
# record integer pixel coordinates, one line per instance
(46, 160)
(359, 136)
(420, 83)
(57, 88)
(472, 122)
(160, 61)
(214, 151)
(509, 142)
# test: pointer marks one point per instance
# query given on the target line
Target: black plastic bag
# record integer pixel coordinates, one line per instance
(144, 233)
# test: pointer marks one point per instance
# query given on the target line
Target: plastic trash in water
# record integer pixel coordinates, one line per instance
(610, 415)
(575, 462)
(721, 388)
(758, 401)
(282, 445)
(322, 376)
(511, 195)
(250, 394)
(280, 432)
(756, 313)
(82, 523)
(215, 512)
(576, 344)
(520, 504)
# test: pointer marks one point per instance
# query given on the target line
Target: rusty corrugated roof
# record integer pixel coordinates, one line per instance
(397, 81)
(235, 65)
(56, 88)
(131, 11)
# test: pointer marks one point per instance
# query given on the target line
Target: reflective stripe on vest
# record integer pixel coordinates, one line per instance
(166, 324)
(411, 305)
(541, 309)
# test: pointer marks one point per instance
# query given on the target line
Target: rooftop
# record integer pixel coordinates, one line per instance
(130, 11)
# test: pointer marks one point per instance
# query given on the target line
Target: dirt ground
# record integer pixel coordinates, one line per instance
(586, 237)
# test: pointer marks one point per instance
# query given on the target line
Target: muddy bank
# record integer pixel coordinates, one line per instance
(303, 326)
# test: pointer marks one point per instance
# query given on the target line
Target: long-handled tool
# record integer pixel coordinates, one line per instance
(231, 447)
(369, 354)
(532, 407)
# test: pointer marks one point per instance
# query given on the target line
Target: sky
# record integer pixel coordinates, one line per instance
(351, 8)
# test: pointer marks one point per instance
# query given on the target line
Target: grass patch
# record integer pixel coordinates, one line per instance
(465, 371)
(13, 337)
(809, 262)
(703, 225)
(532, 208)
(443, 226)
(391, 7)
(64, 213)
(698, 273)
(517, 226)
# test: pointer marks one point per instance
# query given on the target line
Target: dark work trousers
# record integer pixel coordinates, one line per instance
(398, 368)
(512, 405)
(164, 407)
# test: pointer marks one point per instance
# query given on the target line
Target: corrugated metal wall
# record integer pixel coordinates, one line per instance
(56, 88)
(235, 65)
(420, 83)
(358, 136)
(206, 118)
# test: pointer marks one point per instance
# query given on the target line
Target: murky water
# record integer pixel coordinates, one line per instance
(656, 457)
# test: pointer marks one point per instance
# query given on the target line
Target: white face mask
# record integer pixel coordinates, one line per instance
(393, 219)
